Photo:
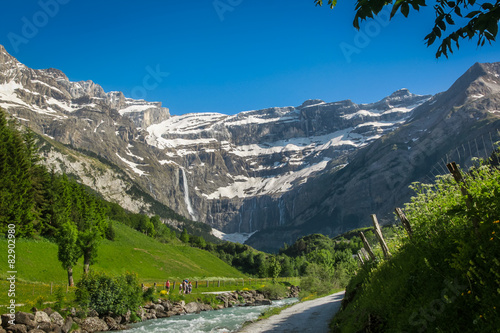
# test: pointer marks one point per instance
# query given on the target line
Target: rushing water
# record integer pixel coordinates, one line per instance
(225, 320)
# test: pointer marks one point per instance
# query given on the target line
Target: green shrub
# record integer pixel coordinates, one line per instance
(274, 291)
(149, 295)
(60, 298)
(106, 294)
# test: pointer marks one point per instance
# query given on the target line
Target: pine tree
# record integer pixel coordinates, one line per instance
(16, 190)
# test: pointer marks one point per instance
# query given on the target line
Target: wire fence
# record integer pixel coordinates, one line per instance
(465, 154)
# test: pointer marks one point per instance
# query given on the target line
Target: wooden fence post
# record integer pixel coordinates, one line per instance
(196, 286)
(368, 248)
(218, 283)
(243, 282)
(207, 283)
(365, 254)
(51, 288)
(360, 258)
(173, 286)
(378, 233)
(404, 221)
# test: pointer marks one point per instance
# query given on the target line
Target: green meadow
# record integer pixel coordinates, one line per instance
(37, 265)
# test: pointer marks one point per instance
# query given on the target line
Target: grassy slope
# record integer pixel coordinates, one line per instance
(131, 251)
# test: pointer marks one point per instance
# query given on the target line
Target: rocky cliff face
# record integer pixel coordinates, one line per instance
(456, 125)
(292, 169)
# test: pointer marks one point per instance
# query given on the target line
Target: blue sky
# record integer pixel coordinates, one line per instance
(232, 55)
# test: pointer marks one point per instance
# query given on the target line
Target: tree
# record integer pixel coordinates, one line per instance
(274, 268)
(482, 18)
(184, 236)
(68, 250)
(17, 204)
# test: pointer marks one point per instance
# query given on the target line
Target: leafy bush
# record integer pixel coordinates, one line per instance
(106, 294)
(274, 291)
(149, 295)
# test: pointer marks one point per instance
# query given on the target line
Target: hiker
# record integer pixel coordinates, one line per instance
(190, 287)
(167, 286)
(181, 287)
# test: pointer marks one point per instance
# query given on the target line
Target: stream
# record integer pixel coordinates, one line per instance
(225, 320)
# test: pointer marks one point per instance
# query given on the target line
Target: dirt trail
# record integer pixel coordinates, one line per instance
(310, 316)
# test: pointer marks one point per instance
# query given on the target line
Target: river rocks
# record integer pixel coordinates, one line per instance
(94, 324)
(41, 317)
(17, 328)
(92, 313)
(5, 320)
(27, 319)
(112, 324)
(50, 321)
(195, 307)
(67, 325)
(57, 319)
(293, 291)
(48, 311)
(247, 298)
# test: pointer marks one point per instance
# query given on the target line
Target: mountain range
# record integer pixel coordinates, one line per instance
(275, 174)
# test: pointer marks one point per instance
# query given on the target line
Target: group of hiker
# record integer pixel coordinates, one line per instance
(186, 287)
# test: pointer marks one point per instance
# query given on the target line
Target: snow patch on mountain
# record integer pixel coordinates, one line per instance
(133, 166)
(236, 237)
(244, 187)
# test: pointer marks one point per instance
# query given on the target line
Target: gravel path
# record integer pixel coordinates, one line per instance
(310, 316)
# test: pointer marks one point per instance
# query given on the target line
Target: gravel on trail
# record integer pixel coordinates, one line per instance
(308, 316)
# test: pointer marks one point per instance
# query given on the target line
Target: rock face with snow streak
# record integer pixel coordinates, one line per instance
(241, 165)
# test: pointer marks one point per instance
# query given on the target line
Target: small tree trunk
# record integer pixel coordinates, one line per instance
(86, 263)
(70, 277)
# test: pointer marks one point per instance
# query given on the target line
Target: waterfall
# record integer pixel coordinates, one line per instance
(281, 206)
(254, 206)
(186, 195)
(241, 219)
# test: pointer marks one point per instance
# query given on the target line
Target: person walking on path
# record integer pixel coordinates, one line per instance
(167, 286)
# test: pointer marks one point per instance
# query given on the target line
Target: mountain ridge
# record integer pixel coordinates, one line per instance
(255, 170)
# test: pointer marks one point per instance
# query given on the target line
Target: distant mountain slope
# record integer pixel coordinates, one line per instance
(461, 123)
